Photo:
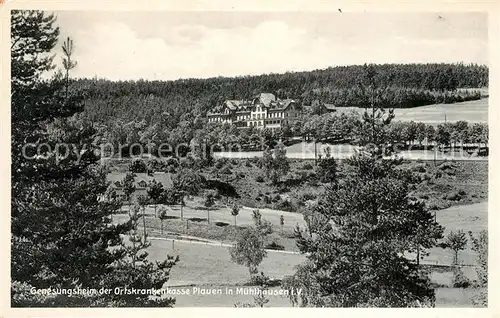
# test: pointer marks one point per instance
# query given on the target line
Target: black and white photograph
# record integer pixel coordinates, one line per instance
(232, 158)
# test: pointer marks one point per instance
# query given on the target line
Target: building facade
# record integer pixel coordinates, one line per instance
(140, 183)
(263, 111)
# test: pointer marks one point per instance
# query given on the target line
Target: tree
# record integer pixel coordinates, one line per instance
(138, 166)
(249, 248)
(457, 241)
(163, 216)
(263, 226)
(462, 128)
(209, 202)
(282, 223)
(143, 201)
(420, 132)
(260, 299)
(275, 163)
(129, 187)
(430, 134)
(374, 119)
(360, 230)
(62, 232)
(368, 223)
(235, 210)
(68, 64)
(443, 135)
(155, 190)
(480, 246)
(137, 271)
(327, 169)
(187, 182)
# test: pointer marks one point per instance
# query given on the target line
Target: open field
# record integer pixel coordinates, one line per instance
(472, 111)
(202, 264)
(208, 266)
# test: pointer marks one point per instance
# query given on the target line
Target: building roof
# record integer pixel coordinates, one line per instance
(268, 100)
(233, 104)
(164, 178)
(281, 104)
(315, 103)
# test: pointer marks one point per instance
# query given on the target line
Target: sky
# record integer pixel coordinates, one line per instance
(121, 45)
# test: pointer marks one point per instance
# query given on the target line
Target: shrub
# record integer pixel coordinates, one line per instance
(426, 176)
(170, 169)
(248, 163)
(284, 189)
(221, 162)
(217, 195)
(420, 168)
(459, 279)
(138, 166)
(307, 166)
(172, 162)
(454, 196)
(226, 170)
(308, 196)
(284, 205)
(274, 246)
(447, 166)
(259, 179)
(267, 199)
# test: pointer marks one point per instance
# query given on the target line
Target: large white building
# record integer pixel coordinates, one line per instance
(263, 111)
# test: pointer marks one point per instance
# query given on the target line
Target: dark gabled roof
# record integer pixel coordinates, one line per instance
(329, 106)
(266, 99)
(233, 104)
(162, 177)
(281, 104)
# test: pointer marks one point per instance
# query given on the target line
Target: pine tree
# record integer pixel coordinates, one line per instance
(275, 163)
(155, 190)
(62, 232)
(457, 241)
(235, 210)
(134, 270)
(362, 228)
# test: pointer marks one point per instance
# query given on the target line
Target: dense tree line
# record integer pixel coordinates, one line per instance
(393, 97)
(347, 127)
(193, 136)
